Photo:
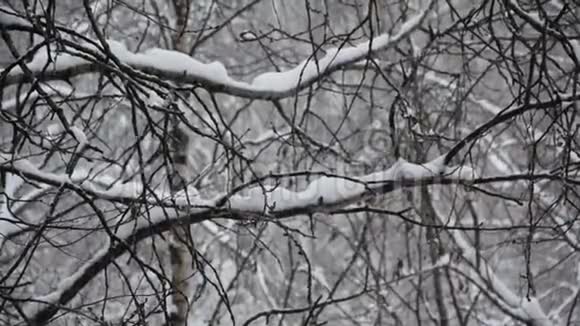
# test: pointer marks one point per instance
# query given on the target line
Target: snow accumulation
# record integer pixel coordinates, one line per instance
(155, 100)
(25, 166)
(166, 62)
(50, 90)
(527, 308)
(172, 61)
(47, 58)
(81, 180)
(329, 191)
(320, 192)
(123, 233)
(80, 137)
(40, 302)
(324, 191)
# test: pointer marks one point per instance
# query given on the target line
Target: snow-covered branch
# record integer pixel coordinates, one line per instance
(56, 90)
(506, 115)
(179, 67)
(324, 194)
(526, 309)
(76, 182)
(326, 191)
(319, 196)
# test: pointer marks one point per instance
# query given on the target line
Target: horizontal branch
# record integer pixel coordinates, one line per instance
(325, 194)
(508, 114)
(178, 67)
(320, 195)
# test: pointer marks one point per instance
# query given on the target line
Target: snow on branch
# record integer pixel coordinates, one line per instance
(75, 182)
(506, 115)
(535, 21)
(527, 309)
(542, 26)
(61, 90)
(176, 66)
(323, 194)
(275, 202)
(329, 192)
(326, 191)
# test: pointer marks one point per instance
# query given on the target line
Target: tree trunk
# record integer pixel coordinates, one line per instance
(181, 247)
(436, 250)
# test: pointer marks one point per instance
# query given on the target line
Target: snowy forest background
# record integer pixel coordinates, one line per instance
(269, 162)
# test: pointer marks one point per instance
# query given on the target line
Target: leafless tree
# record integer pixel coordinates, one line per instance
(289, 162)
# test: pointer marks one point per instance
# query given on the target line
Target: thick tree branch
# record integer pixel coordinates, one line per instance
(179, 67)
(321, 195)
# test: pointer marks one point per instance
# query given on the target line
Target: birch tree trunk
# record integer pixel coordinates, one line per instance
(181, 247)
